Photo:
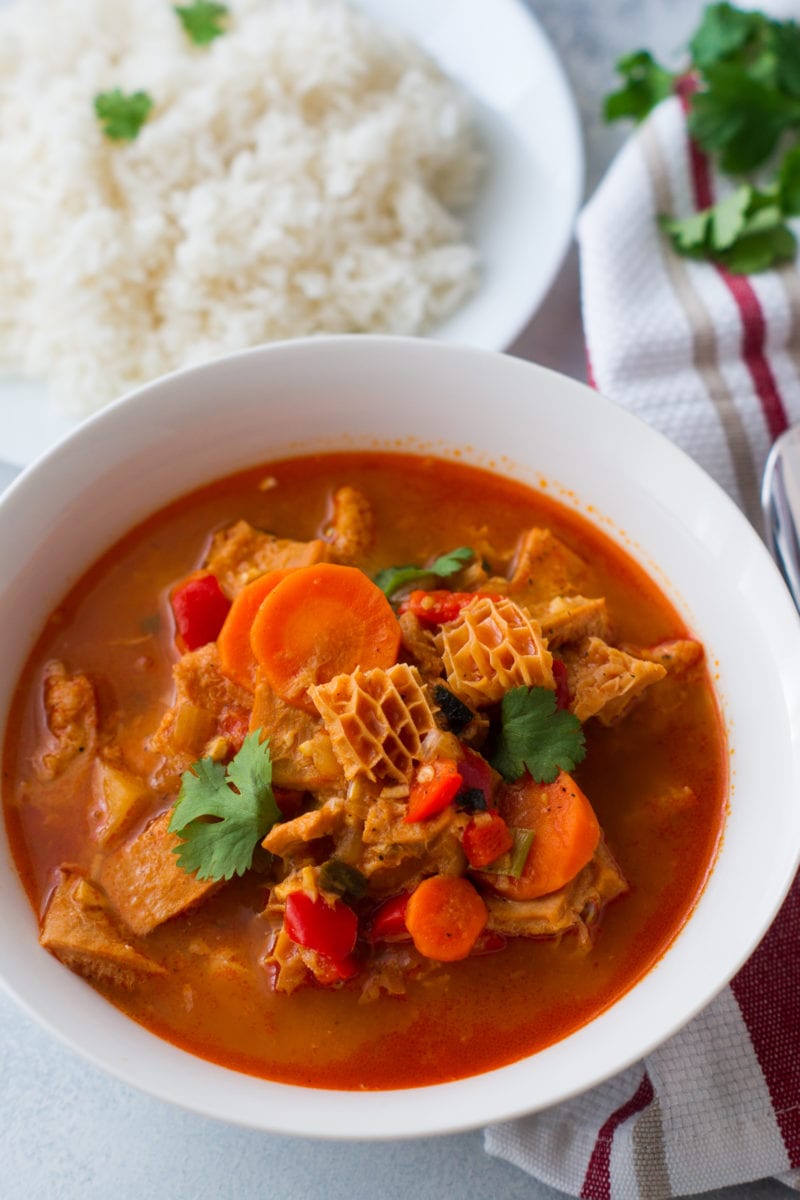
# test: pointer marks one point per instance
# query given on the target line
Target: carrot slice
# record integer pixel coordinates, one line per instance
(445, 917)
(566, 834)
(236, 656)
(321, 621)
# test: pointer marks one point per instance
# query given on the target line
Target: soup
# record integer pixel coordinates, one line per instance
(356, 754)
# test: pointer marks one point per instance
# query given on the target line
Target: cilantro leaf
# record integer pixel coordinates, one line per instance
(746, 232)
(536, 736)
(740, 118)
(122, 116)
(728, 217)
(786, 42)
(723, 32)
(391, 579)
(688, 233)
(645, 85)
(203, 21)
(789, 183)
(759, 251)
(222, 814)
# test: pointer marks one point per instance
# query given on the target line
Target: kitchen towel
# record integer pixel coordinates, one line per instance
(711, 360)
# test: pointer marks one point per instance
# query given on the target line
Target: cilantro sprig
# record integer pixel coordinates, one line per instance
(536, 736)
(646, 84)
(391, 579)
(743, 85)
(203, 21)
(121, 115)
(222, 814)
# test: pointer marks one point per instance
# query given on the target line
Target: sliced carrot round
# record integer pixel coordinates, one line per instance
(565, 834)
(321, 621)
(236, 656)
(445, 917)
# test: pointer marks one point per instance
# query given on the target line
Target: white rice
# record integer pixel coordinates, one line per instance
(299, 175)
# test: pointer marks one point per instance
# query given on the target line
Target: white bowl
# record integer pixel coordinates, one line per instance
(343, 393)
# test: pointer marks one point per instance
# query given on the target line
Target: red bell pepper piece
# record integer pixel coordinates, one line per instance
(438, 607)
(200, 608)
(330, 929)
(436, 785)
(485, 838)
(476, 773)
(389, 920)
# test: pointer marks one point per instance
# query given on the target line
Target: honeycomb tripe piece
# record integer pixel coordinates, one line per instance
(605, 682)
(492, 646)
(376, 721)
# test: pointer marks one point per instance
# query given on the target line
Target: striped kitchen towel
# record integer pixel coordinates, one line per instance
(712, 361)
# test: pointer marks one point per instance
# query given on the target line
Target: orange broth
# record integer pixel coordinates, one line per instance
(466, 1017)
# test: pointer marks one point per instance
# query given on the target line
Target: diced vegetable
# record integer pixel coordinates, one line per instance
(330, 929)
(339, 877)
(121, 798)
(485, 838)
(513, 861)
(566, 834)
(445, 917)
(436, 785)
(321, 621)
(455, 714)
(476, 774)
(471, 800)
(193, 727)
(389, 920)
(236, 655)
(200, 608)
(436, 608)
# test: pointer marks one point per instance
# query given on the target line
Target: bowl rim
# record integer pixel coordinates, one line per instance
(461, 1105)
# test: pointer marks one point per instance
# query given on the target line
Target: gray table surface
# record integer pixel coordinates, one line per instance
(67, 1131)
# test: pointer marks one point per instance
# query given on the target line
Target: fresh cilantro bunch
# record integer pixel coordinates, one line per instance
(743, 85)
(536, 736)
(221, 814)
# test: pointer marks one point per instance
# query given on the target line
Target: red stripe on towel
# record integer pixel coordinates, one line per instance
(754, 330)
(767, 990)
(597, 1183)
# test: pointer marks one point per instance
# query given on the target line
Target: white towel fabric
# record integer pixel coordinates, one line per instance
(712, 361)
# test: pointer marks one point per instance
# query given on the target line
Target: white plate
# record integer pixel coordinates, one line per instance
(524, 219)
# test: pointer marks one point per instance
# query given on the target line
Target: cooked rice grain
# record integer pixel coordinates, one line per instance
(299, 175)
